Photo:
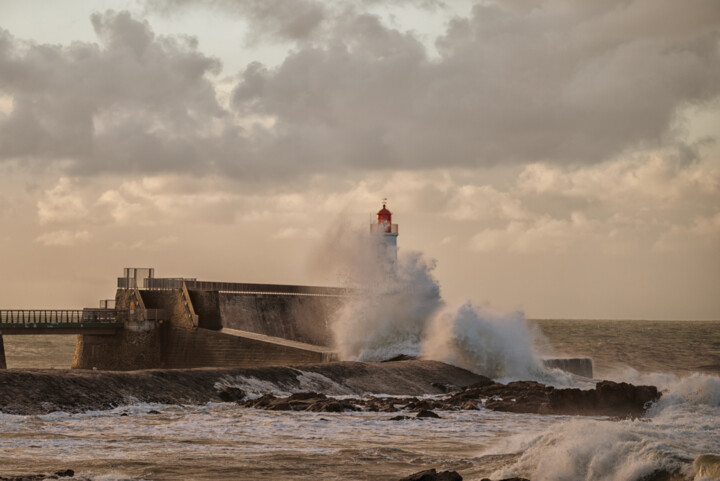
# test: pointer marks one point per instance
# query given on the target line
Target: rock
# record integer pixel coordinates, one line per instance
(304, 396)
(433, 475)
(67, 473)
(400, 418)
(423, 405)
(663, 474)
(339, 407)
(280, 405)
(427, 414)
(707, 465)
(232, 394)
(153, 411)
(607, 399)
(400, 357)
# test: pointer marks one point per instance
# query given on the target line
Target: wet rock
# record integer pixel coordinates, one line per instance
(401, 357)
(423, 405)
(663, 474)
(707, 465)
(433, 475)
(67, 473)
(427, 414)
(232, 394)
(280, 405)
(607, 399)
(304, 396)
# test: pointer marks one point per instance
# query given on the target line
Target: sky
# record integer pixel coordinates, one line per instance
(556, 157)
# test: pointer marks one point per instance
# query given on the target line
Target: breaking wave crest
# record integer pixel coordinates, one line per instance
(475, 338)
(616, 451)
(400, 312)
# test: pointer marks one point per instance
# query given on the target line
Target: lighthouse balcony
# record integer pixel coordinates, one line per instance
(386, 228)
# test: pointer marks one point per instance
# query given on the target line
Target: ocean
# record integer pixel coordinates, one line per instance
(221, 441)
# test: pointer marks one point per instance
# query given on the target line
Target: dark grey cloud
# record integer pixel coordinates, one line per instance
(128, 103)
(555, 81)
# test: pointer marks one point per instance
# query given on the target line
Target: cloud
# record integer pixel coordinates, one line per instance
(130, 103)
(559, 83)
(267, 19)
(62, 203)
(562, 84)
(63, 238)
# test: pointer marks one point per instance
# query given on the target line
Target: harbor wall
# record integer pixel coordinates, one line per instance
(210, 328)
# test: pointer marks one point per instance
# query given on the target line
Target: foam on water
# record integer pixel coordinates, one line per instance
(303, 382)
(595, 450)
(677, 429)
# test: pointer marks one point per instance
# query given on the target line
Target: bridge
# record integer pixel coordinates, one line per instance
(60, 321)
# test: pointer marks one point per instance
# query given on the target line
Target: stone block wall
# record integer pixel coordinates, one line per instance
(298, 318)
(126, 351)
(206, 348)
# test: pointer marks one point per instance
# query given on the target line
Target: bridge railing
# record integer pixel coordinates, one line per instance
(58, 316)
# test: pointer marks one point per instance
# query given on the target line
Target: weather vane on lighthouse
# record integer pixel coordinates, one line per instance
(386, 231)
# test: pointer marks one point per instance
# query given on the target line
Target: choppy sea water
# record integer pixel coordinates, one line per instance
(223, 441)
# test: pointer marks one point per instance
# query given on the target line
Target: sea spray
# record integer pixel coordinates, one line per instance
(390, 315)
(497, 345)
(398, 310)
(615, 451)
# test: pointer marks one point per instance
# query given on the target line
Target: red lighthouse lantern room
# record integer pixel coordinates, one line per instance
(384, 219)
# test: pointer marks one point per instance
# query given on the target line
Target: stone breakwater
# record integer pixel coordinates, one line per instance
(308, 387)
(43, 391)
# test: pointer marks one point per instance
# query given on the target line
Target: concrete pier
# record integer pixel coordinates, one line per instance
(178, 324)
(582, 366)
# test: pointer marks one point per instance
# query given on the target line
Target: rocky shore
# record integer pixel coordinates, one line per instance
(42, 391)
(607, 399)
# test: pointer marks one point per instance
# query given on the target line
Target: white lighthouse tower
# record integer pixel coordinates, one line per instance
(387, 232)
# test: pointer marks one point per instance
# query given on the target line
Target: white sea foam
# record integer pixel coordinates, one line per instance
(494, 344)
(251, 386)
(400, 311)
(312, 381)
(593, 450)
(392, 314)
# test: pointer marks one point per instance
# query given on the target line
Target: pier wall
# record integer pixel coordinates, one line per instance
(582, 366)
(207, 348)
(137, 346)
(211, 328)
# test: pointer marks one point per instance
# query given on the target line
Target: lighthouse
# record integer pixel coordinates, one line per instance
(386, 232)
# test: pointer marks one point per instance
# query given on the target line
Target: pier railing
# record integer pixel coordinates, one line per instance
(59, 318)
(239, 287)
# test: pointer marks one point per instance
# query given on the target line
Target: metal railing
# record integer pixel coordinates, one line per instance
(54, 317)
(239, 287)
(384, 228)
